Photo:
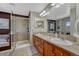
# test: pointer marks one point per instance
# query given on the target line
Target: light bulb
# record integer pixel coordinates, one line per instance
(52, 4)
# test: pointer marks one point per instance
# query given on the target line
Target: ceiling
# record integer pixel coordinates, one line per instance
(22, 8)
(25, 8)
(60, 12)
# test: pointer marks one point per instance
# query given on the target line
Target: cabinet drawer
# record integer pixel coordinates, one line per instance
(47, 49)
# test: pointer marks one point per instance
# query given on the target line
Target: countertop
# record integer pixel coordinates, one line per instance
(72, 48)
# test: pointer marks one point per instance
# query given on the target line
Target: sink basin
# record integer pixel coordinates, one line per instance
(61, 41)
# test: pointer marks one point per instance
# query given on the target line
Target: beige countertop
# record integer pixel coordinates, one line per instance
(72, 48)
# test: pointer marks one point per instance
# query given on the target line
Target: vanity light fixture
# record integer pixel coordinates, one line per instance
(42, 13)
(46, 13)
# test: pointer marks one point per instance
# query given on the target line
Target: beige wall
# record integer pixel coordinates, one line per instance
(35, 18)
(32, 27)
(76, 32)
(73, 19)
(77, 17)
(19, 28)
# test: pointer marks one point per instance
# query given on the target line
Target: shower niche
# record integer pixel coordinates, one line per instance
(5, 37)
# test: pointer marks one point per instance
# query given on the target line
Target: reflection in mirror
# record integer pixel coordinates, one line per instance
(63, 25)
(4, 23)
(68, 24)
(4, 28)
(4, 40)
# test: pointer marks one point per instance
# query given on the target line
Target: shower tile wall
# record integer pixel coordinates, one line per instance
(19, 28)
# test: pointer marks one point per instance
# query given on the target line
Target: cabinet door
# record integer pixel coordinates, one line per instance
(61, 52)
(38, 43)
(47, 49)
(67, 53)
(33, 40)
(58, 51)
(40, 46)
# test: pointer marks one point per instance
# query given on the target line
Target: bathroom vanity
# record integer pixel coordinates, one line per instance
(46, 47)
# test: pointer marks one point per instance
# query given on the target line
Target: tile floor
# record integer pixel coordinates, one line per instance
(23, 49)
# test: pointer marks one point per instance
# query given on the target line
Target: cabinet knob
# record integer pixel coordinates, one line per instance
(61, 54)
(53, 54)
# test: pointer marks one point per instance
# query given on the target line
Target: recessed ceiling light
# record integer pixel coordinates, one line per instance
(46, 13)
(52, 4)
(42, 13)
(57, 6)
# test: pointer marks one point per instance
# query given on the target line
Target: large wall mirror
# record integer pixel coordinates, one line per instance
(4, 23)
(51, 25)
(5, 37)
(4, 40)
(63, 25)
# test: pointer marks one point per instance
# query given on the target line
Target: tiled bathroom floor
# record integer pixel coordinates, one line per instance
(21, 50)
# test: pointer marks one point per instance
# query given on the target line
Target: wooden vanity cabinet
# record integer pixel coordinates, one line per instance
(61, 52)
(47, 49)
(52, 50)
(38, 43)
